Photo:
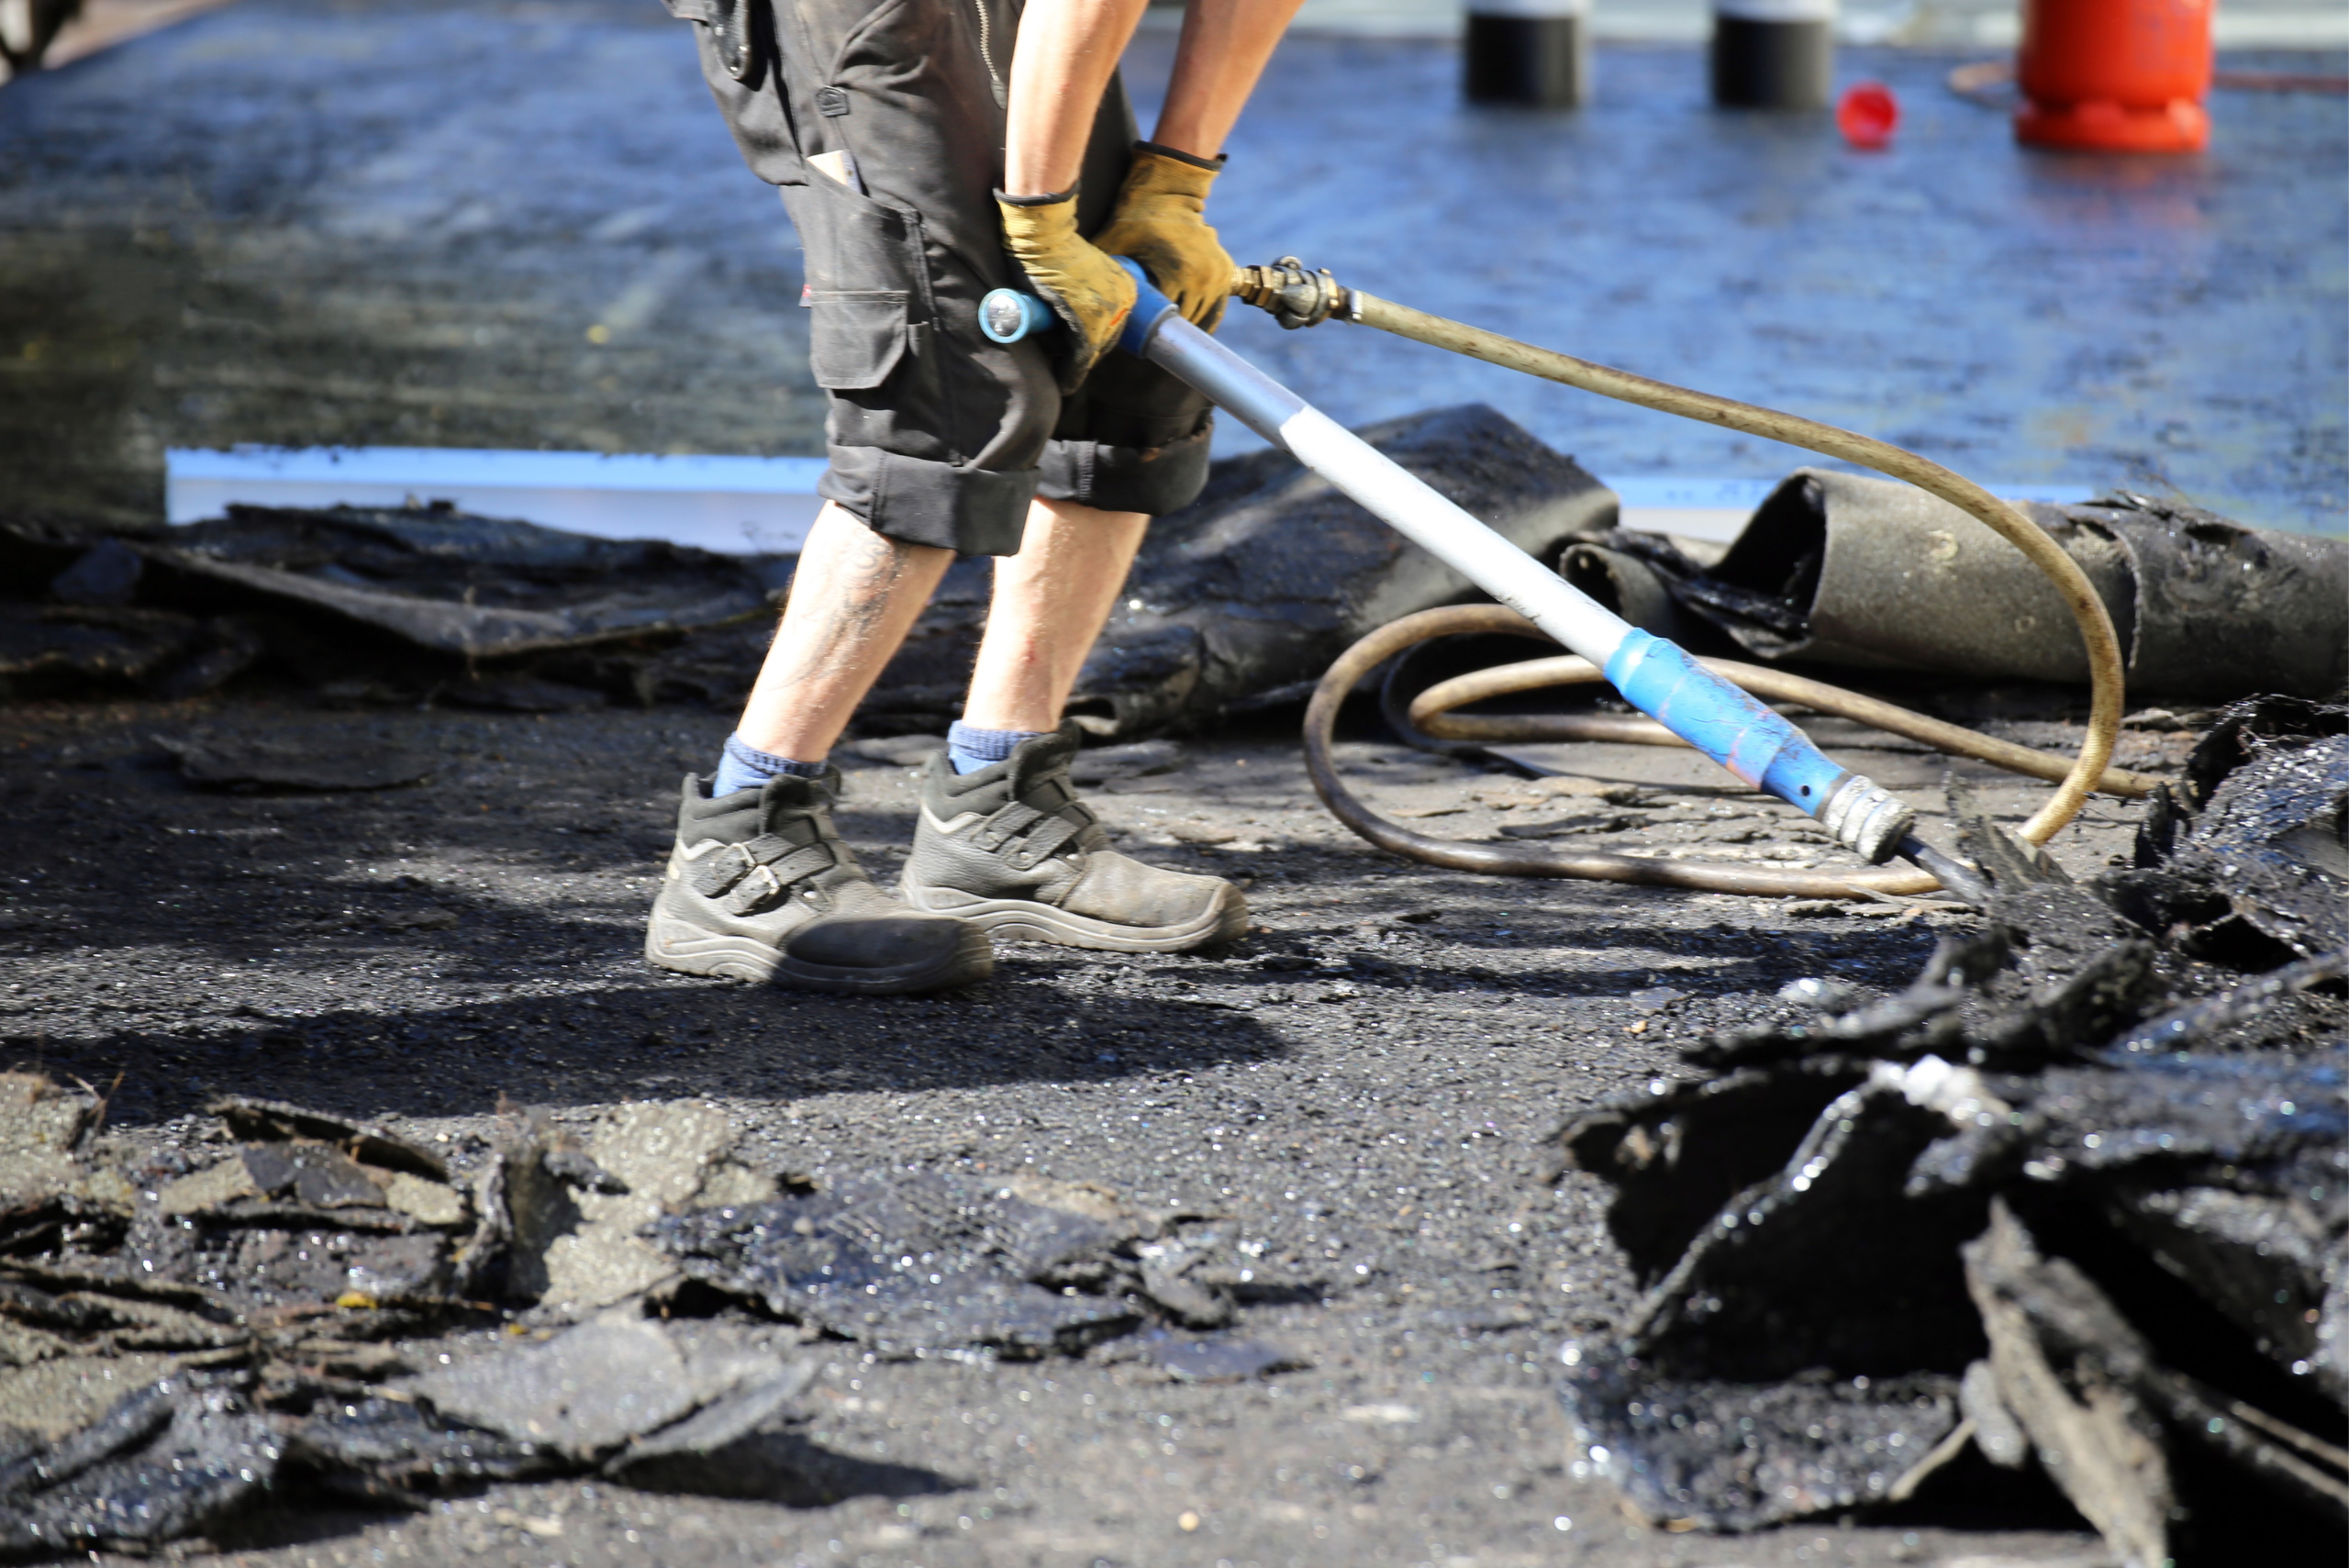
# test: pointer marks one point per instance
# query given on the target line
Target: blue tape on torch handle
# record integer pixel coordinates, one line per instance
(1723, 721)
(1150, 307)
(1008, 315)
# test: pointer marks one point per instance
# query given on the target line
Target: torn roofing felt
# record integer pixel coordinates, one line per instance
(446, 581)
(2250, 855)
(482, 587)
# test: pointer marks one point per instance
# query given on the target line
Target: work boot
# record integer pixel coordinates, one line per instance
(759, 887)
(1012, 849)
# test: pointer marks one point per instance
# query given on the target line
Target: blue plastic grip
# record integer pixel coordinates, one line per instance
(1724, 722)
(1007, 315)
(1150, 307)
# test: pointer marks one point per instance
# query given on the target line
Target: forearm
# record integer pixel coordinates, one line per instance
(1066, 53)
(1224, 48)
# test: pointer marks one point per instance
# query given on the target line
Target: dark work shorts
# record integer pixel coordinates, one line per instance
(936, 434)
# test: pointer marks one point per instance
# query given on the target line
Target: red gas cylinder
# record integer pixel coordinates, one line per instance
(2117, 76)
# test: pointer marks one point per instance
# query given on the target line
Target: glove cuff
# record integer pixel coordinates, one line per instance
(1158, 175)
(1034, 225)
(1159, 150)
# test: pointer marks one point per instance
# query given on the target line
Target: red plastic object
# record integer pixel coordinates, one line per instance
(1867, 114)
(2115, 75)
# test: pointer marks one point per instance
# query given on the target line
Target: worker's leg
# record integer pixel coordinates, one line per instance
(1050, 603)
(854, 598)
(1002, 839)
(760, 886)
(933, 432)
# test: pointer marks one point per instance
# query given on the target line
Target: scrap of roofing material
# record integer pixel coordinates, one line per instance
(443, 580)
(912, 1263)
(1956, 1219)
(741, 505)
(2250, 856)
(175, 1349)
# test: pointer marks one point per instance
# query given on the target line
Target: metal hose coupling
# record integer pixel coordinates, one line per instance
(1293, 296)
(1867, 819)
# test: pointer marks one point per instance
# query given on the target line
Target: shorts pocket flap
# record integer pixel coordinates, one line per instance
(855, 336)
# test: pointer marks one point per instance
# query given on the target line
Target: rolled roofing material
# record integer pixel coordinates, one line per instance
(1872, 574)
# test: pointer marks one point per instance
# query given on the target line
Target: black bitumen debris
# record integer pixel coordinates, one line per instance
(1837, 1235)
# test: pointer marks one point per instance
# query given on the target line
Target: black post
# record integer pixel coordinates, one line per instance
(1774, 54)
(1535, 53)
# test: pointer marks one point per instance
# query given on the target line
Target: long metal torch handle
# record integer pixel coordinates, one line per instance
(1713, 716)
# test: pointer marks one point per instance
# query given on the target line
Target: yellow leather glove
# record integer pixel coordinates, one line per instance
(1158, 222)
(1091, 294)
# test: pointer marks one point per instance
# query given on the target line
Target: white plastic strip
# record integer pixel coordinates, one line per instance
(740, 504)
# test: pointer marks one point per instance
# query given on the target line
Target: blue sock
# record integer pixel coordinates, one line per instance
(969, 750)
(744, 766)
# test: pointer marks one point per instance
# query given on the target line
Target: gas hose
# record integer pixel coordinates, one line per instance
(1297, 296)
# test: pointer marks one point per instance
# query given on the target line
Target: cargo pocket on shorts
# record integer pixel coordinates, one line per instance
(855, 338)
(732, 28)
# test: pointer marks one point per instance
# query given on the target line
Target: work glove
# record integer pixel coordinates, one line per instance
(1091, 294)
(1158, 222)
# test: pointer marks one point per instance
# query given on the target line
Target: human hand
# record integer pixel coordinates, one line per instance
(1091, 294)
(1160, 222)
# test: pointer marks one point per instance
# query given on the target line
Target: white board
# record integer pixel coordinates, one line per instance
(740, 504)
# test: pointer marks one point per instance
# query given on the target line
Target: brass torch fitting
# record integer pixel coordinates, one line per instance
(1294, 297)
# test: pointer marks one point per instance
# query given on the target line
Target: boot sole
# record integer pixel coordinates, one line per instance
(1023, 920)
(673, 944)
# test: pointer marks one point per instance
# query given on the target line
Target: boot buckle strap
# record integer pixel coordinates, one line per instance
(1005, 825)
(1045, 842)
(761, 884)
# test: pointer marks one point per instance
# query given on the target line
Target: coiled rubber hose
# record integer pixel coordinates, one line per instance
(1299, 298)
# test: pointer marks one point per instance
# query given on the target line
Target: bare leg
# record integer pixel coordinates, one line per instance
(852, 600)
(1050, 604)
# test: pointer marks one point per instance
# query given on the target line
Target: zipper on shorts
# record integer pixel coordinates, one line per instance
(986, 51)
